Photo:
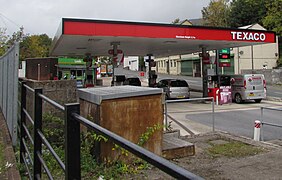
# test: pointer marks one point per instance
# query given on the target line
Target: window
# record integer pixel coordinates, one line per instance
(79, 72)
(73, 72)
(178, 83)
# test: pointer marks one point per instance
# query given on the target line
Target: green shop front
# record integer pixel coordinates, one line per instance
(71, 68)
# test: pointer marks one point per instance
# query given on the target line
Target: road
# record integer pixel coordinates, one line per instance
(274, 91)
(195, 83)
(234, 118)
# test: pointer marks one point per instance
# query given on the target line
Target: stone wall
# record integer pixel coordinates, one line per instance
(62, 92)
(272, 76)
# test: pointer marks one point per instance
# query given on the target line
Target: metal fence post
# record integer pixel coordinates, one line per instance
(213, 115)
(22, 121)
(166, 123)
(72, 142)
(37, 140)
(261, 120)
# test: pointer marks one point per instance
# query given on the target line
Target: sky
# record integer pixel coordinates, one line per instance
(44, 16)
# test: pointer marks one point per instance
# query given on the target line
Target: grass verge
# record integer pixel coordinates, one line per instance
(233, 149)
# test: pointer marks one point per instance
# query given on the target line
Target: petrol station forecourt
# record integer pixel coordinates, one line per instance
(82, 37)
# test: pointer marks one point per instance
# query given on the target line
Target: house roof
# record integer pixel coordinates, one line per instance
(253, 26)
(196, 22)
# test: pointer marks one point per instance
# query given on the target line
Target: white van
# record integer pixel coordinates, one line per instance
(248, 87)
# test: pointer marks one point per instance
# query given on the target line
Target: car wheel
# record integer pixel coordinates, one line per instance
(238, 98)
(257, 100)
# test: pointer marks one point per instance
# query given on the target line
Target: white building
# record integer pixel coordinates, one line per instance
(263, 56)
(169, 65)
(132, 62)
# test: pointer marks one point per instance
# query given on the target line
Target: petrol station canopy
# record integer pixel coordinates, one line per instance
(77, 37)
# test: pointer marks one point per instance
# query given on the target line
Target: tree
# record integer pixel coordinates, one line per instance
(216, 13)
(35, 46)
(30, 45)
(3, 41)
(273, 19)
(17, 36)
(7, 41)
(176, 21)
(246, 12)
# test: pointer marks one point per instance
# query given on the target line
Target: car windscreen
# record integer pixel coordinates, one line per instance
(178, 83)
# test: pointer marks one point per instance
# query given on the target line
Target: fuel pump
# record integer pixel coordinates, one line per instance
(219, 87)
(213, 86)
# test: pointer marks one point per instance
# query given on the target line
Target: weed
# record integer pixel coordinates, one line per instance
(53, 129)
(149, 132)
(233, 149)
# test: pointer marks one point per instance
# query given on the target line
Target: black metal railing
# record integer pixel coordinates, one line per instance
(264, 122)
(72, 165)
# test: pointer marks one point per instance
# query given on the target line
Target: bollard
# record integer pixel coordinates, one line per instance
(257, 130)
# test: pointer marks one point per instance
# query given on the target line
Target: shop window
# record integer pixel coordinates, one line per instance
(79, 72)
(73, 72)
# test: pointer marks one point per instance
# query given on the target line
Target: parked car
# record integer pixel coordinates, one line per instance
(174, 88)
(133, 81)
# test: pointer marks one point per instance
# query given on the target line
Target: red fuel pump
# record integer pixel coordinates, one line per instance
(212, 86)
(219, 88)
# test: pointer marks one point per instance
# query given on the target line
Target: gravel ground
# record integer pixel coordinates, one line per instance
(265, 165)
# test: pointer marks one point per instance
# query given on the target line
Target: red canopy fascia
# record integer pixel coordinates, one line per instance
(80, 36)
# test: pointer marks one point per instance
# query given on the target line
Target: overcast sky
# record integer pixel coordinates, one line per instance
(44, 16)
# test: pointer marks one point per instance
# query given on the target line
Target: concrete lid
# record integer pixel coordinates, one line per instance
(97, 95)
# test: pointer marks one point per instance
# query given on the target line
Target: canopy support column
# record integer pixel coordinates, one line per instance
(114, 60)
(204, 72)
